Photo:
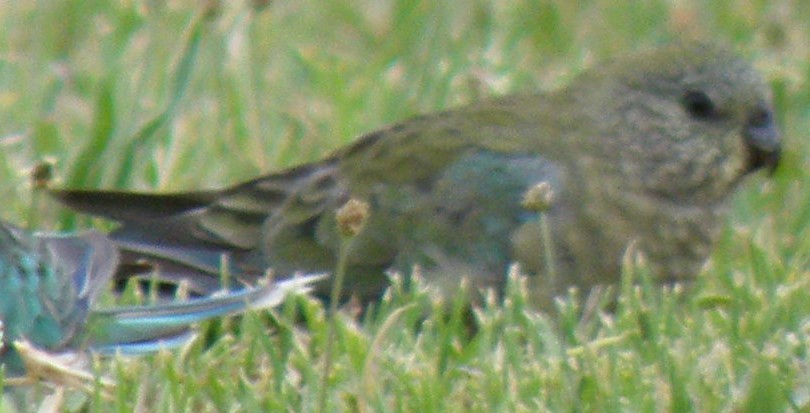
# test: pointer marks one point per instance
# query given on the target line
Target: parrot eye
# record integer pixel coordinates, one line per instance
(698, 104)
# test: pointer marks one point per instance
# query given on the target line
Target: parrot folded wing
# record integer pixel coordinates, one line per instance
(51, 282)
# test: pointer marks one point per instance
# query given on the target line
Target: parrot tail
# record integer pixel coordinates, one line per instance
(195, 236)
(142, 329)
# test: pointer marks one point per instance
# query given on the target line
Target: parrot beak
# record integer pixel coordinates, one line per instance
(763, 141)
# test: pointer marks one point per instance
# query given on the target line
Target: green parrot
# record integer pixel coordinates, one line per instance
(50, 283)
(646, 149)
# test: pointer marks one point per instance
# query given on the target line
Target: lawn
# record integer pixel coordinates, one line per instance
(180, 95)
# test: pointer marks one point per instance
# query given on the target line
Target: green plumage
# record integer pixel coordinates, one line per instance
(647, 148)
(50, 283)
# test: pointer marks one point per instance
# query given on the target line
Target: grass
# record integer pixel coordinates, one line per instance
(180, 95)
